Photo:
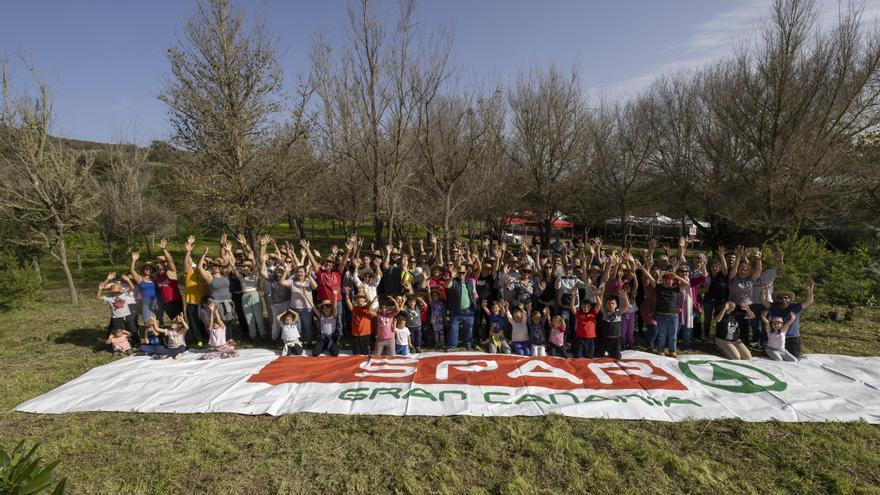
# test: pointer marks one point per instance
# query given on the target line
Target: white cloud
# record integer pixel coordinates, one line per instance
(719, 36)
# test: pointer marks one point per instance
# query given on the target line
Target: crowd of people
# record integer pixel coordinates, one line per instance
(572, 298)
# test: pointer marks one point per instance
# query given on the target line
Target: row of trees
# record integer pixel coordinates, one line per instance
(778, 135)
(382, 129)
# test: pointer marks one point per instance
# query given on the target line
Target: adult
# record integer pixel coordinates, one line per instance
(247, 274)
(146, 287)
(784, 307)
(461, 303)
(366, 279)
(167, 285)
(716, 293)
(301, 288)
(742, 279)
(329, 278)
(217, 279)
(278, 299)
(666, 312)
(195, 290)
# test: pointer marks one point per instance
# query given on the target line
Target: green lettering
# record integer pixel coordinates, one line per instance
(643, 399)
(442, 394)
(353, 394)
(393, 392)
(676, 400)
(488, 397)
(596, 398)
(574, 399)
(531, 398)
(419, 393)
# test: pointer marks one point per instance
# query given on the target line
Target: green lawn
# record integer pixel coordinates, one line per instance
(47, 344)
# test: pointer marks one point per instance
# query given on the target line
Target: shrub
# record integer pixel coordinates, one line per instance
(849, 278)
(21, 473)
(17, 284)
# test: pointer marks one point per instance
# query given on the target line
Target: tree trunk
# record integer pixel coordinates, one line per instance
(62, 258)
(79, 263)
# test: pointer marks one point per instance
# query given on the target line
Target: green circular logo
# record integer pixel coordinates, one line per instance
(732, 376)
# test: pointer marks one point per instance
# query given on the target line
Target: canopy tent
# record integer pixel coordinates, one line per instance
(529, 219)
(655, 220)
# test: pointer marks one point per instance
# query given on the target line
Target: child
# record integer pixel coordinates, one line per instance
(537, 337)
(361, 321)
(290, 333)
(729, 322)
(628, 319)
(610, 325)
(585, 329)
(519, 329)
(327, 331)
(118, 341)
(438, 316)
(496, 343)
(175, 339)
(116, 299)
(385, 327)
(556, 342)
(776, 329)
(402, 335)
(413, 314)
(222, 348)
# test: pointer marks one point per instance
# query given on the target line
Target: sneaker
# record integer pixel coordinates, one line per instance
(200, 344)
(284, 351)
(450, 349)
(178, 357)
(673, 354)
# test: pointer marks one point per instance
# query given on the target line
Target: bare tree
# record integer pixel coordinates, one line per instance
(48, 190)
(368, 106)
(548, 121)
(623, 143)
(784, 113)
(224, 99)
(127, 212)
(454, 135)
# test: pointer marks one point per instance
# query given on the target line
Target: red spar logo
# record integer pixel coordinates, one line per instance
(476, 370)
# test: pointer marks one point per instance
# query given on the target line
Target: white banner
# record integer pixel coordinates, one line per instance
(640, 386)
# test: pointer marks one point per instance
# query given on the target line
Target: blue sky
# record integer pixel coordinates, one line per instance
(107, 57)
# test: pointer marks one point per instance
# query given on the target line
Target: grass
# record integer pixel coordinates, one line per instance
(49, 343)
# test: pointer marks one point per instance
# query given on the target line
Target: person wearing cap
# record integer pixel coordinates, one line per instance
(366, 279)
(461, 300)
(112, 294)
(776, 328)
(146, 286)
(329, 278)
(784, 307)
(362, 314)
(171, 303)
(523, 288)
(329, 330)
